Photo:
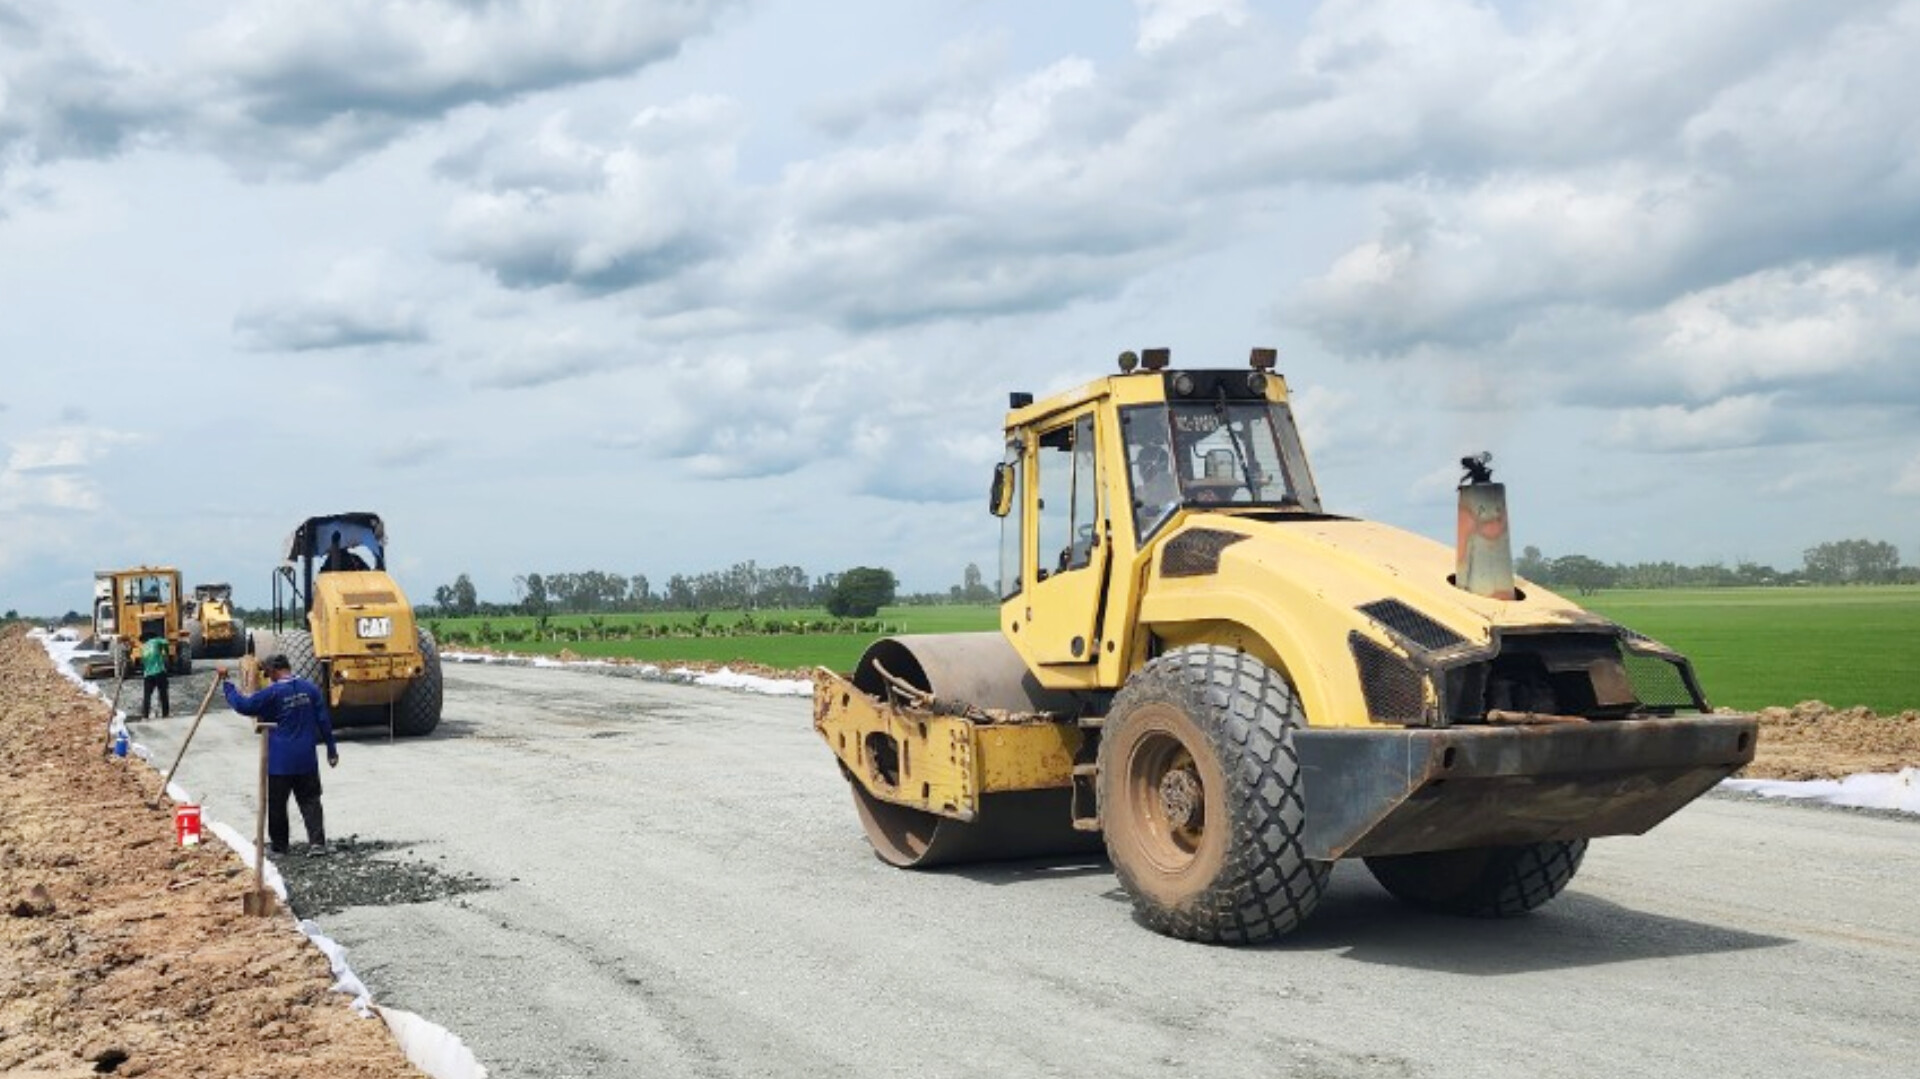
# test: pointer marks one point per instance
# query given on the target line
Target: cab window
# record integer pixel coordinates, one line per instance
(150, 589)
(1150, 475)
(1011, 529)
(1068, 502)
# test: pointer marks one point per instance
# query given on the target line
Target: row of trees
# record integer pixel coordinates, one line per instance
(601, 628)
(1855, 561)
(861, 591)
(855, 593)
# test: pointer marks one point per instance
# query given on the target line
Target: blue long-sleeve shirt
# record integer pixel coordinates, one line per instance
(299, 712)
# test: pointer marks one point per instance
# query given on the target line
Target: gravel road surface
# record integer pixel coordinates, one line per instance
(584, 874)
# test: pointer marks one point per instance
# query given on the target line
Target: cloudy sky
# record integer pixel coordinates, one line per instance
(662, 286)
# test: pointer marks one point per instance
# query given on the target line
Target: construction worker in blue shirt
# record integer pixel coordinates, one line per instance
(298, 711)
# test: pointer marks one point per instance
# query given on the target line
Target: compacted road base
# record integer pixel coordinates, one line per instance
(584, 874)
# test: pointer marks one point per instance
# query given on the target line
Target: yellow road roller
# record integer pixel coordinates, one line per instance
(213, 627)
(344, 624)
(1226, 687)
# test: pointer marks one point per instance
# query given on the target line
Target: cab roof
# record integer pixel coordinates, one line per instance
(1149, 387)
(314, 535)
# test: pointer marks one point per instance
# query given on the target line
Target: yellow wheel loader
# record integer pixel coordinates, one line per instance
(345, 626)
(131, 605)
(212, 627)
(1231, 688)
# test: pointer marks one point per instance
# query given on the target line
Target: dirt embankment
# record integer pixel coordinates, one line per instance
(121, 952)
(1813, 740)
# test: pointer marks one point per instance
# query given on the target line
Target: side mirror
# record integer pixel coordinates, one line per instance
(1000, 498)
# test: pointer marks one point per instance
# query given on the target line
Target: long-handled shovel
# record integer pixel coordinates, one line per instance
(259, 901)
(219, 677)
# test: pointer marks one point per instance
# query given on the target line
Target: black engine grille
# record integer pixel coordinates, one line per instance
(1658, 682)
(1196, 553)
(1395, 692)
(1412, 625)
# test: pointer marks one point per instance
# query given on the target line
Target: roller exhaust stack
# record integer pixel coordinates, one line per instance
(1483, 553)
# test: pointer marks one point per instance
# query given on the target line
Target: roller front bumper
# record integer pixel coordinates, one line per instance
(1372, 792)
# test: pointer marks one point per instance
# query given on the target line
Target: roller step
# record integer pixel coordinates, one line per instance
(1086, 813)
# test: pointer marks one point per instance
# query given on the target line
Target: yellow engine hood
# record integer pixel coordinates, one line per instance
(1348, 563)
(1292, 591)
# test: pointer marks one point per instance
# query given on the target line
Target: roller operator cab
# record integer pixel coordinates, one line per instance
(1229, 688)
(345, 625)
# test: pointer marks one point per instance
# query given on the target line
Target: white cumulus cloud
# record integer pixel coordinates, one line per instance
(1724, 424)
(1908, 480)
(52, 469)
(1163, 21)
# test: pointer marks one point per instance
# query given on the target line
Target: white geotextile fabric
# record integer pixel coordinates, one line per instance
(428, 1046)
(431, 1047)
(724, 678)
(1900, 791)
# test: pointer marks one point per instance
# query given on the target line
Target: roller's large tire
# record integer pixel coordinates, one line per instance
(297, 646)
(1201, 798)
(418, 710)
(1481, 882)
(237, 644)
(196, 637)
(183, 653)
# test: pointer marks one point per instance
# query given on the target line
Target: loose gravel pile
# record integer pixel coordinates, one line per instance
(364, 873)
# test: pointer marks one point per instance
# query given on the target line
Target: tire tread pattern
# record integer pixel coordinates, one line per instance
(1267, 885)
(297, 646)
(1514, 880)
(417, 712)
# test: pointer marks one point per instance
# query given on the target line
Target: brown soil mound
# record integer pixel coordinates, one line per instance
(1813, 740)
(121, 952)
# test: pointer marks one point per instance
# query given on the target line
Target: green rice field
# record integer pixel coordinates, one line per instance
(1753, 647)
(785, 650)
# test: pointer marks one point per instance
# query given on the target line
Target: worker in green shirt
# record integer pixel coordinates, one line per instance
(154, 652)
